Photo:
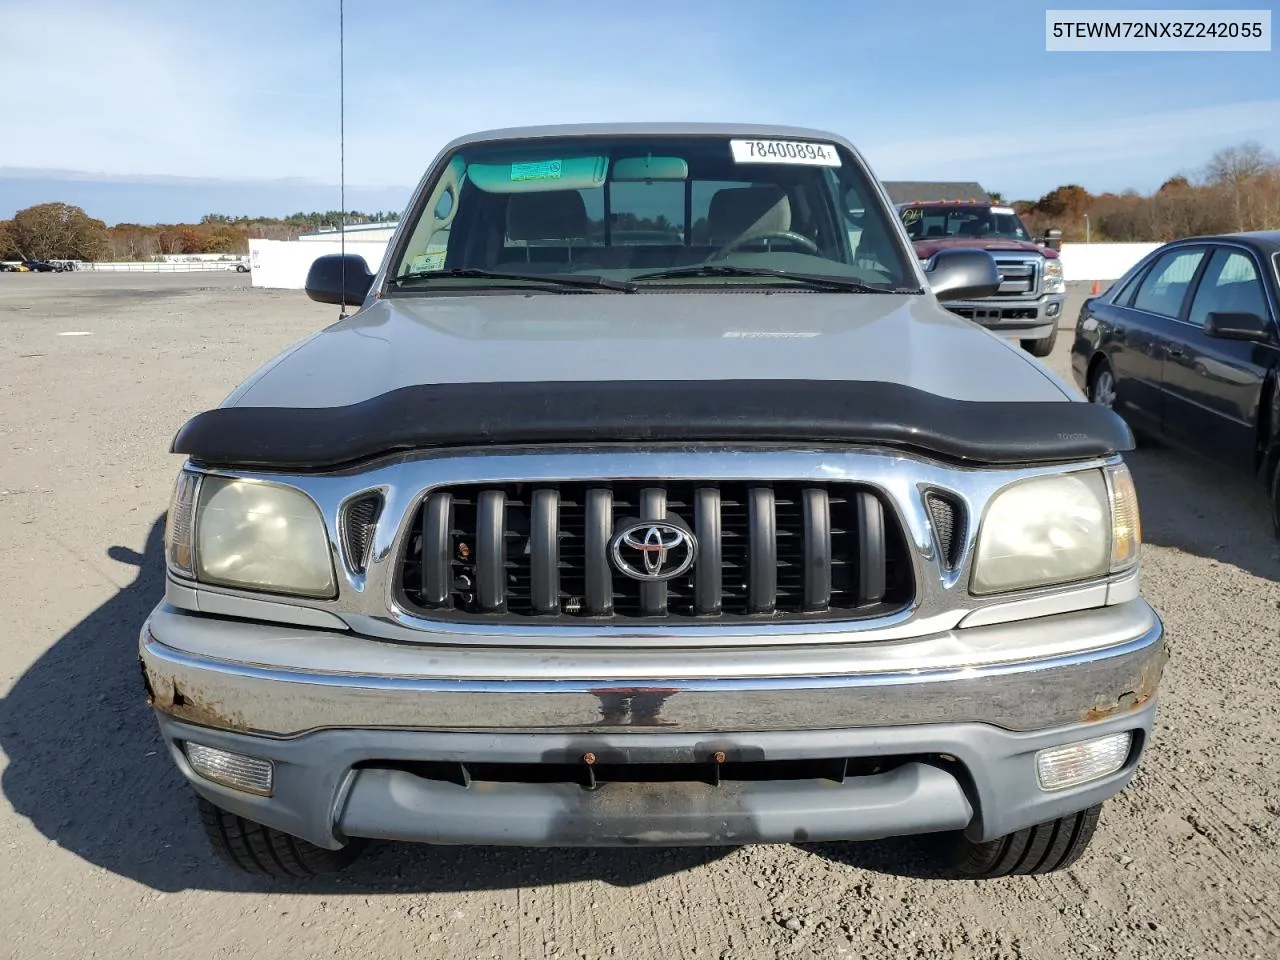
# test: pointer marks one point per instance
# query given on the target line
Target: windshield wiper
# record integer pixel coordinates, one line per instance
(820, 281)
(549, 280)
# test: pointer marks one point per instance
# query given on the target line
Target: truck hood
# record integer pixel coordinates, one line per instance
(927, 248)
(519, 338)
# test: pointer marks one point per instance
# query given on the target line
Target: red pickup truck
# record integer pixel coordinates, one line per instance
(1028, 305)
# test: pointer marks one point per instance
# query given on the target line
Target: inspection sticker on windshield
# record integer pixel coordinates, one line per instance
(539, 170)
(784, 151)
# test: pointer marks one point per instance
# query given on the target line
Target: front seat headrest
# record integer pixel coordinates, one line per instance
(549, 215)
(737, 212)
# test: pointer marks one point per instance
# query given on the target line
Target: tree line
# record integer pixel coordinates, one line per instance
(1238, 189)
(60, 231)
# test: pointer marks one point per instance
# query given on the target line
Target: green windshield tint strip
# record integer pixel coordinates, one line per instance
(552, 173)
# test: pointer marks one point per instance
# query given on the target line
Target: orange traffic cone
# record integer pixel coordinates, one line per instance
(1097, 288)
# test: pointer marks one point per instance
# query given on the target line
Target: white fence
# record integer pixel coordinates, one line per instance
(284, 263)
(1101, 261)
(152, 266)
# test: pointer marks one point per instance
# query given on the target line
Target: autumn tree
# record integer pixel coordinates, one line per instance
(58, 231)
(8, 245)
(1071, 200)
(1247, 176)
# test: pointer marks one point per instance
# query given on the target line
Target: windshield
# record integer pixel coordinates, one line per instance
(641, 211)
(943, 220)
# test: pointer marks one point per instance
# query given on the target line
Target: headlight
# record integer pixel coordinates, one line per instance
(1058, 529)
(1053, 277)
(249, 534)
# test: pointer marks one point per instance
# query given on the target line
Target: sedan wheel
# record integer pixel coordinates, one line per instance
(1102, 390)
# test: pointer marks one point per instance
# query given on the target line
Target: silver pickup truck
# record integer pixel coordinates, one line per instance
(651, 497)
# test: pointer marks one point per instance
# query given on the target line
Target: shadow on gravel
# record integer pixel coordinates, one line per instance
(1192, 505)
(916, 858)
(87, 767)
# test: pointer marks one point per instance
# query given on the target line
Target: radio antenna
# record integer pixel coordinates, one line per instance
(342, 159)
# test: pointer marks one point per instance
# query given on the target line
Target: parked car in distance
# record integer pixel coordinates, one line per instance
(41, 266)
(652, 496)
(1186, 347)
(14, 266)
(1028, 305)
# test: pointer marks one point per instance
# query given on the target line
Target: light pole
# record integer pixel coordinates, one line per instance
(1086, 228)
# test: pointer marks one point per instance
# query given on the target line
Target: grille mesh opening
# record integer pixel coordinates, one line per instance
(358, 523)
(765, 551)
(949, 527)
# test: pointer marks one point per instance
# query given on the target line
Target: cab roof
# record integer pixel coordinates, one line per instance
(757, 130)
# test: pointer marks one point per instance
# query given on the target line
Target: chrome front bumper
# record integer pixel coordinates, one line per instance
(278, 681)
(958, 716)
(1023, 319)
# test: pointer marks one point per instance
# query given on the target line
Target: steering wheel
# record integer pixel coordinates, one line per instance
(788, 235)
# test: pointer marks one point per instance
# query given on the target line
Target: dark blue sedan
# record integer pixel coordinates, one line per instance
(1186, 347)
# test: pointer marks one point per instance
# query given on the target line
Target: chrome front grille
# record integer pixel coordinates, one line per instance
(765, 551)
(1019, 276)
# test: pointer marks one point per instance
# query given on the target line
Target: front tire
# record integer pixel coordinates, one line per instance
(1044, 848)
(1042, 347)
(266, 851)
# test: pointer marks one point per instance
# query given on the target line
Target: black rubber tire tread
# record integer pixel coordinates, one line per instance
(1043, 848)
(1042, 347)
(266, 851)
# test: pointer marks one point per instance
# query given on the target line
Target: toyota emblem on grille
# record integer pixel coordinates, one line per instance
(653, 550)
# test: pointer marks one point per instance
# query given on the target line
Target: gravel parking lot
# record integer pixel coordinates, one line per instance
(102, 855)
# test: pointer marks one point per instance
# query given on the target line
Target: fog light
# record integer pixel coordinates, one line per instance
(1052, 309)
(1077, 763)
(234, 770)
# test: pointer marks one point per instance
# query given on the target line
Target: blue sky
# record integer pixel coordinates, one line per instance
(237, 91)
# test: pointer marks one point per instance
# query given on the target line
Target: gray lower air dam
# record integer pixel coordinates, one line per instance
(656, 411)
(393, 804)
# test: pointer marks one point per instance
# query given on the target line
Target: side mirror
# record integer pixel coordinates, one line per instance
(962, 275)
(1053, 238)
(1237, 326)
(326, 284)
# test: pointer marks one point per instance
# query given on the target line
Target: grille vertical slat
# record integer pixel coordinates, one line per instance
(491, 551)
(762, 595)
(599, 574)
(707, 571)
(817, 550)
(653, 596)
(871, 550)
(544, 550)
(766, 551)
(437, 569)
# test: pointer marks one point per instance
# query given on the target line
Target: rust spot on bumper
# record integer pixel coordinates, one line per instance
(188, 703)
(1144, 690)
(191, 706)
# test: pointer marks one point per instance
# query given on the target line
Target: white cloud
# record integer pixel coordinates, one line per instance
(249, 91)
(1062, 150)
